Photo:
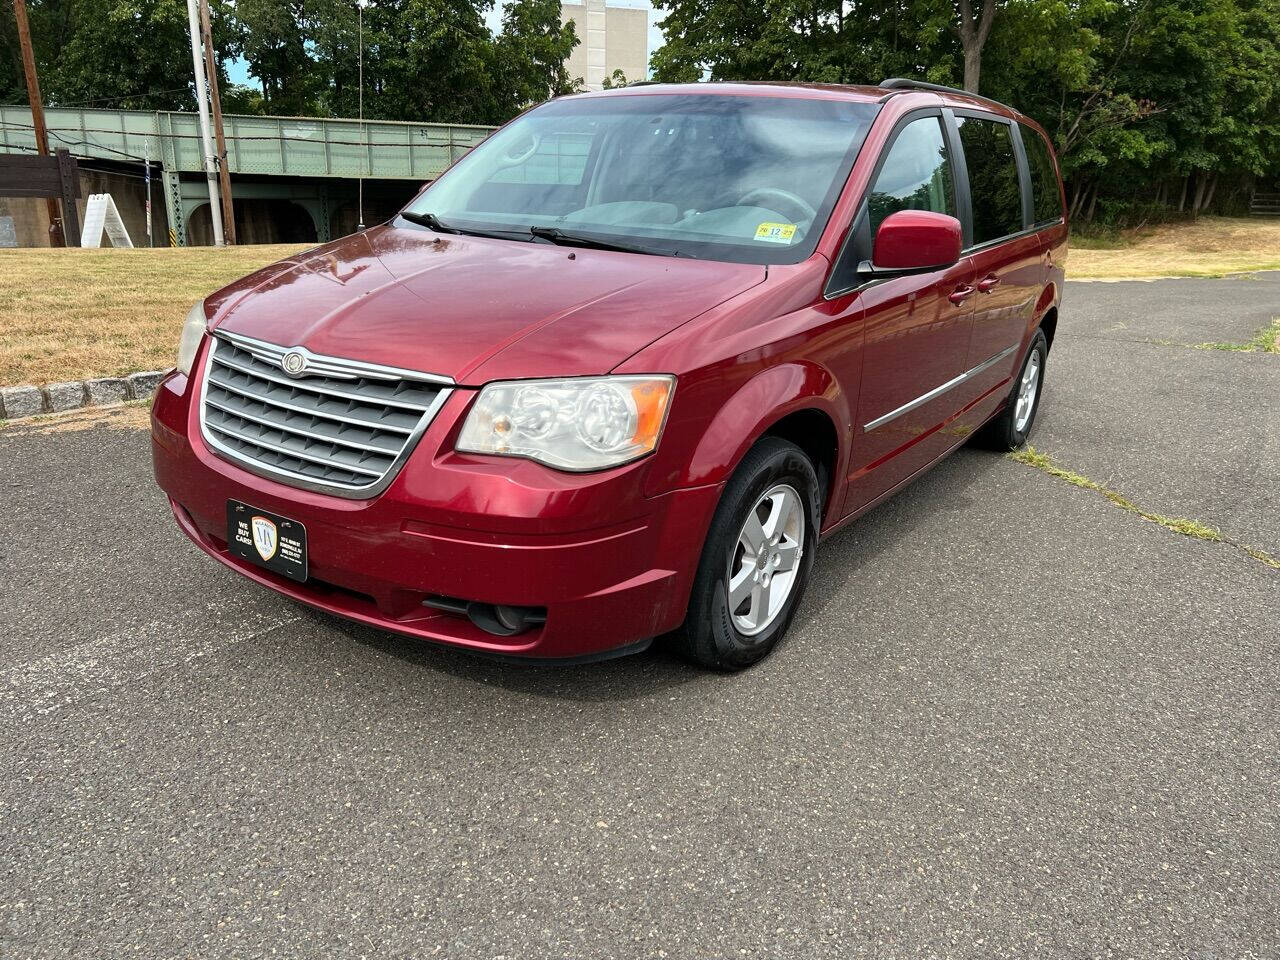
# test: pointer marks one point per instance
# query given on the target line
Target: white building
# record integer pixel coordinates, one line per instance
(611, 38)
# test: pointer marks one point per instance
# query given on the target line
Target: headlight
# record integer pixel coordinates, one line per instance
(579, 424)
(192, 334)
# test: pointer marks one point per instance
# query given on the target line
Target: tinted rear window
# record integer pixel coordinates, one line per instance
(994, 185)
(1046, 200)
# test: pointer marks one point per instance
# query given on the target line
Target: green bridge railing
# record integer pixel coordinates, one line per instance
(264, 146)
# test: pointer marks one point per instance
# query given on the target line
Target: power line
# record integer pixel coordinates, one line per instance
(127, 96)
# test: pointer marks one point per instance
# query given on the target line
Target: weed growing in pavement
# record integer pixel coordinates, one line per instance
(1188, 528)
(1266, 340)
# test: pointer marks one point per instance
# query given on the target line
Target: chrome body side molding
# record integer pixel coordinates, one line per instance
(939, 390)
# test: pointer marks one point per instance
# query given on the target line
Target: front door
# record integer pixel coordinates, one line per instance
(917, 327)
(1007, 263)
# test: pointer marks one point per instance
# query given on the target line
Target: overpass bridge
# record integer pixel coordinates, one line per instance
(311, 162)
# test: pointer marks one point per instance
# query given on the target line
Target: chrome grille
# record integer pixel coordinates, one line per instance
(340, 426)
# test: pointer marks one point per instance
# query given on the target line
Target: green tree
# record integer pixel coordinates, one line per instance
(531, 52)
(276, 38)
(614, 81)
(124, 54)
(429, 59)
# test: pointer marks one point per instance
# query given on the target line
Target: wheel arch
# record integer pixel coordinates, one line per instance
(799, 402)
(1047, 313)
(1049, 324)
(813, 431)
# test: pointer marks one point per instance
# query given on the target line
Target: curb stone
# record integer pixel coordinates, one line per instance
(64, 396)
(101, 392)
(19, 402)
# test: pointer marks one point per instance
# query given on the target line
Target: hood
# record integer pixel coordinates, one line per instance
(471, 308)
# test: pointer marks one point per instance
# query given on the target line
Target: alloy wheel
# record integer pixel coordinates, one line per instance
(1027, 393)
(765, 562)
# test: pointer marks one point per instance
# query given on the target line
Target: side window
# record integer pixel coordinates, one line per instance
(1047, 201)
(994, 186)
(916, 174)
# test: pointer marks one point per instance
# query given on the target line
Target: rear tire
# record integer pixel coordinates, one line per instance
(1010, 428)
(759, 551)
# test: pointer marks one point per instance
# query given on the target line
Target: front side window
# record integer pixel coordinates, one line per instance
(1046, 198)
(916, 174)
(994, 186)
(746, 179)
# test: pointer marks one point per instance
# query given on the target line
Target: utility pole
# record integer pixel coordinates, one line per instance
(146, 180)
(206, 138)
(224, 175)
(56, 239)
(364, 146)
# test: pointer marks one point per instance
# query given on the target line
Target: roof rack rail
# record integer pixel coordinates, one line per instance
(905, 83)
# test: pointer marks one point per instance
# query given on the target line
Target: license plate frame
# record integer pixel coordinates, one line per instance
(268, 540)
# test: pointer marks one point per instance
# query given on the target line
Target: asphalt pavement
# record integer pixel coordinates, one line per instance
(1012, 719)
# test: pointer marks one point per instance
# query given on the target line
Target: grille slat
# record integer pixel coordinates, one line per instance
(342, 411)
(272, 442)
(347, 434)
(309, 431)
(257, 368)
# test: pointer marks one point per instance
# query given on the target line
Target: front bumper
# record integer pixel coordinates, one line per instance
(611, 567)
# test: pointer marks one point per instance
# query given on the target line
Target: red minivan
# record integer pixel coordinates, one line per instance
(619, 370)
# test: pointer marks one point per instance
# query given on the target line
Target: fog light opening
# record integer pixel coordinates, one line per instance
(505, 621)
(501, 620)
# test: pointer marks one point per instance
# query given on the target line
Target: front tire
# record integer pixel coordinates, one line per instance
(1011, 427)
(757, 559)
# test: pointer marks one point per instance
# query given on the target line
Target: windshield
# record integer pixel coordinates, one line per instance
(746, 179)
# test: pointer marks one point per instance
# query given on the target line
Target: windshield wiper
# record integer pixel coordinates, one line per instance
(432, 222)
(428, 220)
(556, 235)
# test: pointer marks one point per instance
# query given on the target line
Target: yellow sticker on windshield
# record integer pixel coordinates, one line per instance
(776, 232)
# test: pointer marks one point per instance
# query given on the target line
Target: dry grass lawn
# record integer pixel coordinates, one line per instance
(1211, 246)
(75, 314)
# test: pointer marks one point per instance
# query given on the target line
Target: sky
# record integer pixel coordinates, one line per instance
(238, 70)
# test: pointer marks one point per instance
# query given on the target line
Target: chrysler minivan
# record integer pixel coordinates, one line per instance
(618, 372)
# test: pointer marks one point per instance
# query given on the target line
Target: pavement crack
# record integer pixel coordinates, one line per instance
(1181, 525)
(91, 669)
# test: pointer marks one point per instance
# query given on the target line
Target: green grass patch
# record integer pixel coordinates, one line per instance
(1266, 340)
(1101, 237)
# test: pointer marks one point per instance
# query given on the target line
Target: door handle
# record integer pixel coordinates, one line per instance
(961, 293)
(988, 283)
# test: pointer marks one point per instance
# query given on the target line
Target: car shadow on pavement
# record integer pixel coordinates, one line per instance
(621, 678)
(853, 548)
(842, 560)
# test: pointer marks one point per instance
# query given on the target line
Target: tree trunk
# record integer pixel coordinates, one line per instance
(1201, 182)
(1182, 199)
(1208, 197)
(973, 33)
(972, 68)
(1076, 195)
(1093, 203)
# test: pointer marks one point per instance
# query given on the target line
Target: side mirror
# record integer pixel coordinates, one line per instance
(915, 241)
